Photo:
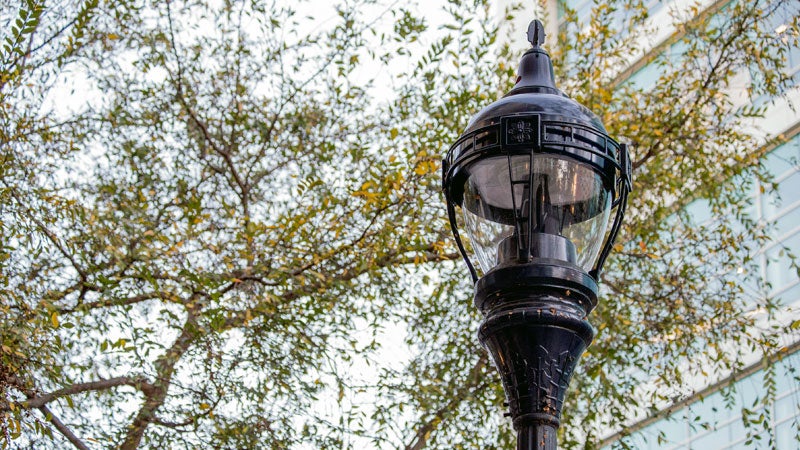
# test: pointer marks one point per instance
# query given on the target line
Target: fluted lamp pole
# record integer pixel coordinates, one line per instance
(535, 179)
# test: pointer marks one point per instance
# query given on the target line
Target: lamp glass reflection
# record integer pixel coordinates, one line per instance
(558, 196)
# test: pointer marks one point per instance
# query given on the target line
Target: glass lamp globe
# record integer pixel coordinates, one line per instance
(534, 206)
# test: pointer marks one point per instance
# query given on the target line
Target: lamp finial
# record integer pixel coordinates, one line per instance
(536, 33)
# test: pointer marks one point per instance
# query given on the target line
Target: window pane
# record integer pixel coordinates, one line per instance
(787, 194)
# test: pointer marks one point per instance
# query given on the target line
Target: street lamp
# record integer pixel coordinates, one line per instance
(536, 177)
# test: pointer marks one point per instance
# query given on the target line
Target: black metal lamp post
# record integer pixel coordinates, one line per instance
(536, 178)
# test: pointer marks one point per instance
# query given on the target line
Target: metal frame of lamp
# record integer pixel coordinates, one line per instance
(536, 177)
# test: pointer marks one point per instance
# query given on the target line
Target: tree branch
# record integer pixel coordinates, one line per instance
(244, 188)
(165, 369)
(474, 381)
(166, 296)
(49, 234)
(38, 401)
(63, 429)
(702, 98)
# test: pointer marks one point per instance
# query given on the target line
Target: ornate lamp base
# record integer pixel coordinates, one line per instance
(535, 328)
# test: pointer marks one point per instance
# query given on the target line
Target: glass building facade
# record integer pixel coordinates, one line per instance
(782, 206)
(717, 418)
(717, 421)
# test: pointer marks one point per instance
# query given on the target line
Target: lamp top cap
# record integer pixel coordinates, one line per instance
(535, 91)
(536, 33)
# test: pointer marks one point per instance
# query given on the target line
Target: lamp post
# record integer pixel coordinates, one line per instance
(536, 178)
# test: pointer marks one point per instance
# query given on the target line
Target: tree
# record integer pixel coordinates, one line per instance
(190, 251)
(207, 250)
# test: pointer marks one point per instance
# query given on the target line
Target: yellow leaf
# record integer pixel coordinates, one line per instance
(204, 406)
(393, 133)
(54, 319)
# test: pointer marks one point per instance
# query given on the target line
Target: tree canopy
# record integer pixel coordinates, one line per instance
(217, 218)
